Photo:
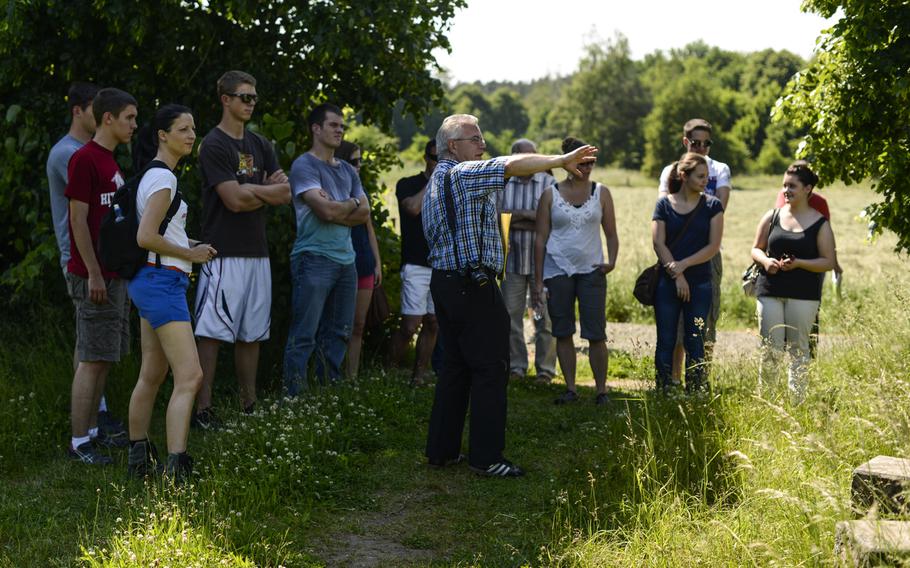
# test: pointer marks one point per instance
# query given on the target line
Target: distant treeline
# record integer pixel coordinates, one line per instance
(634, 110)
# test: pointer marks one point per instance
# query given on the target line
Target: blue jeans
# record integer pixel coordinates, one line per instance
(323, 295)
(667, 307)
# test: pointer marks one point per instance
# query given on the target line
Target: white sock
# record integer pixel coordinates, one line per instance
(102, 406)
(93, 432)
(76, 442)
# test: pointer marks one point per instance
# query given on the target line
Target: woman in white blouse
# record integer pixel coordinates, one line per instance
(569, 265)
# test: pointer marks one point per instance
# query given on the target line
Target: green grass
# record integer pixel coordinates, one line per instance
(729, 479)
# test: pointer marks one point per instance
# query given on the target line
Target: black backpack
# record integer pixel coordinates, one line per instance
(118, 249)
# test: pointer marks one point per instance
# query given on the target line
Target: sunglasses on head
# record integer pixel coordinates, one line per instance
(699, 143)
(247, 98)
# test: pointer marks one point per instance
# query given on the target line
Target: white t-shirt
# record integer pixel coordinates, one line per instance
(155, 180)
(718, 176)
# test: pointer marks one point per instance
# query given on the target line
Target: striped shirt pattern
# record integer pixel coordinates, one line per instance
(473, 187)
(522, 194)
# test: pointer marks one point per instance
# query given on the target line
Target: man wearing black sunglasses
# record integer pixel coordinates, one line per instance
(240, 177)
(697, 138)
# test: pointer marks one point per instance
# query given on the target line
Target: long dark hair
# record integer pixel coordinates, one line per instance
(146, 145)
(346, 150)
(685, 165)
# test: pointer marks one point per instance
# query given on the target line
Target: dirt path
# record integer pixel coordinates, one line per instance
(637, 340)
(374, 538)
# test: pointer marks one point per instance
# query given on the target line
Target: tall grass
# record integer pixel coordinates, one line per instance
(779, 474)
(727, 479)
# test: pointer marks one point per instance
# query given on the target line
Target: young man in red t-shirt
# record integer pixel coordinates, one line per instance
(99, 296)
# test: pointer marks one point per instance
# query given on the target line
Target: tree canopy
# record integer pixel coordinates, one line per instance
(367, 55)
(854, 100)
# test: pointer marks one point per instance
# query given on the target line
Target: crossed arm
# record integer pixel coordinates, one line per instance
(345, 212)
(239, 197)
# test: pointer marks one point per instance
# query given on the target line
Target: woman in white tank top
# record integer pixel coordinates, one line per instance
(159, 292)
(569, 265)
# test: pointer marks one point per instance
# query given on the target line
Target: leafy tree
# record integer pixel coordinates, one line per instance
(470, 99)
(693, 93)
(854, 100)
(604, 104)
(509, 112)
(366, 55)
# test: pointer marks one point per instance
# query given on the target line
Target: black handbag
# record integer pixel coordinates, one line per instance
(750, 274)
(645, 289)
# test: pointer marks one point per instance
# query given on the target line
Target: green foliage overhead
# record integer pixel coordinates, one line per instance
(854, 99)
(366, 55)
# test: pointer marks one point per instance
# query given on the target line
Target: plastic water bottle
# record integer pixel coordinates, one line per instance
(118, 214)
(539, 307)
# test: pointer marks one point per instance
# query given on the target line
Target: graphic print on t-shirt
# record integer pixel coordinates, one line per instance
(106, 198)
(246, 165)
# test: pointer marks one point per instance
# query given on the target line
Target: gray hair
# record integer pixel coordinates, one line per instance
(451, 128)
(522, 142)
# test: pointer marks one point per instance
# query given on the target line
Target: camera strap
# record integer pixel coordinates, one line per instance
(449, 200)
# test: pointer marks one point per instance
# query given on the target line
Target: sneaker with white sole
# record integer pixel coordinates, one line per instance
(87, 453)
(502, 468)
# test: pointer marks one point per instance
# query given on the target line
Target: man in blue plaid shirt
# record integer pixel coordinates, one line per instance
(466, 255)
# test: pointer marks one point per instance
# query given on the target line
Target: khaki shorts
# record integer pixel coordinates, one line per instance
(102, 330)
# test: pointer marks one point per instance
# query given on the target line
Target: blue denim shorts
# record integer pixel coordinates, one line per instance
(160, 295)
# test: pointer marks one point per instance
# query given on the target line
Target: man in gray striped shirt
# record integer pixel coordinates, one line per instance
(520, 198)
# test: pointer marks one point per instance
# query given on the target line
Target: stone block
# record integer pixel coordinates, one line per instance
(866, 543)
(883, 480)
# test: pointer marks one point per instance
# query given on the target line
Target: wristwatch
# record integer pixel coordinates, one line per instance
(356, 201)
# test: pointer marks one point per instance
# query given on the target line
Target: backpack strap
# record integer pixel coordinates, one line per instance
(171, 211)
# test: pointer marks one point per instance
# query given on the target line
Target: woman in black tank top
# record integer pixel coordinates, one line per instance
(794, 246)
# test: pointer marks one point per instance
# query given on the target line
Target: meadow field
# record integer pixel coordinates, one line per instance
(337, 477)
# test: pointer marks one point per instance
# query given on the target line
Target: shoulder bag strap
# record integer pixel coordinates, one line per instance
(698, 206)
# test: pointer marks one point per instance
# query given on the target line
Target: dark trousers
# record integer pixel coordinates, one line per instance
(667, 307)
(474, 330)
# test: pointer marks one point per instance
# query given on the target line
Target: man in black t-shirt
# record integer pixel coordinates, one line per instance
(416, 301)
(240, 177)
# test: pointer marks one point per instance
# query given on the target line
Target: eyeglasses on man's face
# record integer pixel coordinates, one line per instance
(473, 139)
(247, 98)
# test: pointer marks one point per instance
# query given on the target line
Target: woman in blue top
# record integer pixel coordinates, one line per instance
(367, 263)
(686, 229)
